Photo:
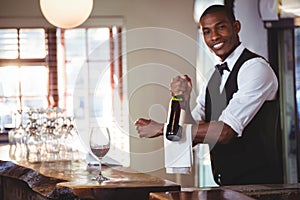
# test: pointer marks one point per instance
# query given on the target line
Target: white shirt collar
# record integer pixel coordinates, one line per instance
(233, 57)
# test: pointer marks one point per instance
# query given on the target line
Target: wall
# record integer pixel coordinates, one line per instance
(253, 34)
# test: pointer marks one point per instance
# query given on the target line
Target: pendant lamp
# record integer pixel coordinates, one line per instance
(66, 13)
(201, 5)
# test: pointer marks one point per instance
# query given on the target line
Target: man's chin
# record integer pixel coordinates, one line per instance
(219, 54)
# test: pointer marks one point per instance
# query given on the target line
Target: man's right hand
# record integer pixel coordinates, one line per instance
(181, 85)
(148, 128)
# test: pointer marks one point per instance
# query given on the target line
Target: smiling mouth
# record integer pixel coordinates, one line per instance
(218, 46)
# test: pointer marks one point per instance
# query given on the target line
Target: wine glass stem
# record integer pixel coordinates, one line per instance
(100, 166)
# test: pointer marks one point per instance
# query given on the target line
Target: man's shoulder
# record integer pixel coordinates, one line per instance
(251, 53)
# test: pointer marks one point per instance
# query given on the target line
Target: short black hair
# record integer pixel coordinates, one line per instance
(217, 8)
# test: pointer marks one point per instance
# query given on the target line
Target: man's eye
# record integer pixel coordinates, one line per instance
(205, 32)
(221, 27)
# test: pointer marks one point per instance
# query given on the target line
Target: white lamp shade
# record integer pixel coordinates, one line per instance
(66, 13)
(201, 5)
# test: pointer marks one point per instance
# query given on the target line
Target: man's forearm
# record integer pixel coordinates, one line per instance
(212, 132)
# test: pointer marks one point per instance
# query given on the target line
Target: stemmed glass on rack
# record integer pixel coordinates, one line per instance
(100, 145)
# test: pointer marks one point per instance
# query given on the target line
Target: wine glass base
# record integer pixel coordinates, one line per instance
(100, 178)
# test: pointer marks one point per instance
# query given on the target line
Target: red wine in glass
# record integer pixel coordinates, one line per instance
(100, 151)
(100, 145)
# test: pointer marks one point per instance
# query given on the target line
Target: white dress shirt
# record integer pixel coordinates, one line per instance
(256, 83)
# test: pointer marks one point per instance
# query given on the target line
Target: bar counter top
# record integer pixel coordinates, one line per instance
(72, 180)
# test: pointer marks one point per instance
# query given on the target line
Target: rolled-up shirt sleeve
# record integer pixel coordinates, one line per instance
(257, 83)
(198, 112)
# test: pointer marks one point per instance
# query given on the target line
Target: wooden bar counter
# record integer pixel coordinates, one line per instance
(237, 192)
(203, 194)
(72, 180)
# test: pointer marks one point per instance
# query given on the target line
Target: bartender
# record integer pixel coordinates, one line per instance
(237, 111)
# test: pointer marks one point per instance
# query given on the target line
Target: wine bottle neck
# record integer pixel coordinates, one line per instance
(178, 98)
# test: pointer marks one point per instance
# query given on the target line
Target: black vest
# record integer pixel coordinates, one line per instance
(254, 158)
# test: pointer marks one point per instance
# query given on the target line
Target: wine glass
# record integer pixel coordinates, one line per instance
(100, 145)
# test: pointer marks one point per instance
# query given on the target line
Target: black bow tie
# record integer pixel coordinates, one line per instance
(222, 67)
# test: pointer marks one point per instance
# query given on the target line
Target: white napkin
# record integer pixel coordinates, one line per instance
(179, 155)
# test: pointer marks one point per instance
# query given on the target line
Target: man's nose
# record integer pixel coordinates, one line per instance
(215, 35)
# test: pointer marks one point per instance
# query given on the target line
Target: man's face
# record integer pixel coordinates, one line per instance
(220, 34)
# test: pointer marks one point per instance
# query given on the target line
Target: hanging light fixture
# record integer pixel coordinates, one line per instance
(66, 13)
(201, 5)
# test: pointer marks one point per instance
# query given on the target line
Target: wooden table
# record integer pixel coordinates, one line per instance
(72, 180)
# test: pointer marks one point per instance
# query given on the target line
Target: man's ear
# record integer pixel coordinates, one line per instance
(237, 26)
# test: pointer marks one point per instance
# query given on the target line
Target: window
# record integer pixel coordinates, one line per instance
(77, 69)
(91, 84)
(23, 71)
